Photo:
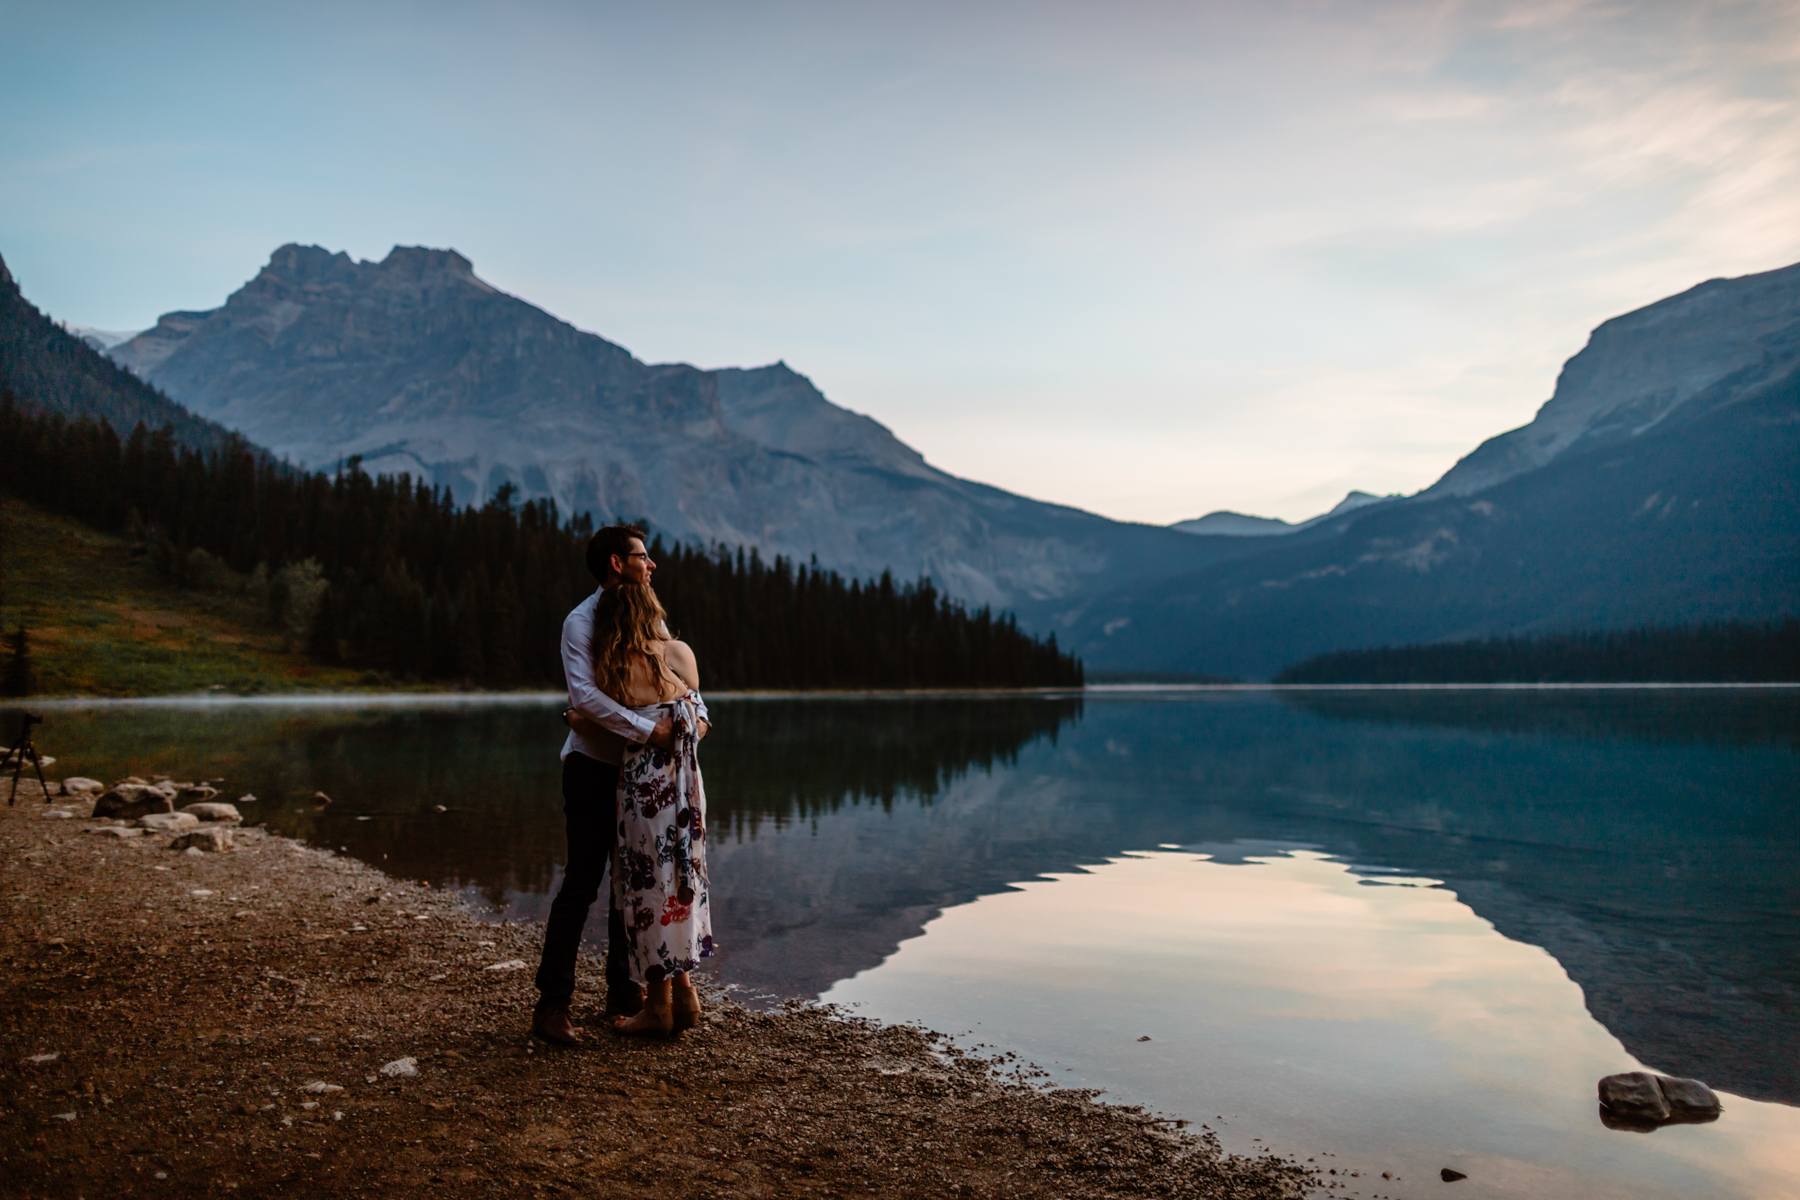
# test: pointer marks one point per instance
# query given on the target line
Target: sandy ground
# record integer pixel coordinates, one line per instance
(199, 1024)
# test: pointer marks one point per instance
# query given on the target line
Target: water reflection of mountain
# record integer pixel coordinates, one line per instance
(1646, 840)
(1663, 874)
(1663, 877)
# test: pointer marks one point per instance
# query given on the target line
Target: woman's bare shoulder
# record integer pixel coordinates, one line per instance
(680, 657)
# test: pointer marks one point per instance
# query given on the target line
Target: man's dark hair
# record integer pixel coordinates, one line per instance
(606, 542)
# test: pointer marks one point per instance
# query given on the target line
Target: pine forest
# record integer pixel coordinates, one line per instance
(390, 575)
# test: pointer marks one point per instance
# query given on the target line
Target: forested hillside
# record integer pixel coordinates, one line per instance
(98, 620)
(53, 371)
(394, 576)
(1728, 652)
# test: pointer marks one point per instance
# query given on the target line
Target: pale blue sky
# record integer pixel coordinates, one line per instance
(1151, 259)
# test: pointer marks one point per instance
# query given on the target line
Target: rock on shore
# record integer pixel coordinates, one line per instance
(168, 822)
(128, 799)
(210, 839)
(214, 811)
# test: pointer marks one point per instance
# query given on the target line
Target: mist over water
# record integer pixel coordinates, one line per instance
(1399, 926)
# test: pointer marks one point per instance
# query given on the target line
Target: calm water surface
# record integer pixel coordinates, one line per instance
(1405, 929)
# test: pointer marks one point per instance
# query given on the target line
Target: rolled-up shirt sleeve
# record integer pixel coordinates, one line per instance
(585, 697)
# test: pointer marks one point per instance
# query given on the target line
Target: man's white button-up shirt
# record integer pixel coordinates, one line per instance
(622, 725)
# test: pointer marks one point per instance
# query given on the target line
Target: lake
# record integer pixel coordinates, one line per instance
(1395, 930)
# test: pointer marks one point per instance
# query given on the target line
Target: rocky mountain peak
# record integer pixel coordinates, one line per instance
(405, 267)
(302, 264)
(423, 262)
(1352, 501)
(1638, 369)
(6, 279)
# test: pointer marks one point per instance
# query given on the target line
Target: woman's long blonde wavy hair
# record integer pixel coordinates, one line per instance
(629, 622)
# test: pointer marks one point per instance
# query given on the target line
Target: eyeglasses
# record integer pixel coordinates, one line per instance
(637, 554)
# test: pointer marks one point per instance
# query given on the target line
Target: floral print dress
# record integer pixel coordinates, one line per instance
(659, 875)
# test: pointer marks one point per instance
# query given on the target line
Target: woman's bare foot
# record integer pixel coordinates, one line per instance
(686, 1002)
(656, 1019)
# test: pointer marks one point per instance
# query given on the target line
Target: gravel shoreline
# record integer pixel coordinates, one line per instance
(186, 1023)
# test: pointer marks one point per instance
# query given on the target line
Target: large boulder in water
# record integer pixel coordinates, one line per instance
(1642, 1101)
(1634, 1096)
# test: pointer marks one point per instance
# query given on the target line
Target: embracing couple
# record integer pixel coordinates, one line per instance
(632, 802)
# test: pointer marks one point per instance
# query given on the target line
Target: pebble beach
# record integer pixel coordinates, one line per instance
(239, 1013)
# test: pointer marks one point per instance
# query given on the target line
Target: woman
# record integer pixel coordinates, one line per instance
(659, 868)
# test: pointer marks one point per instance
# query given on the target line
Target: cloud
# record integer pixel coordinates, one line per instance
(1542, 14)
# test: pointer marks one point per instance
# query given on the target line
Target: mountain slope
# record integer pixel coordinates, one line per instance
(1639, 369)
(48, 369)
(103, 622)
(1695, 519)
(419, 366)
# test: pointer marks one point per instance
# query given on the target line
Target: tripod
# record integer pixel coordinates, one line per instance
(22, 750)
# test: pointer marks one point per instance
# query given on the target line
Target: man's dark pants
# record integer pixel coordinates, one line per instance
(592, 826)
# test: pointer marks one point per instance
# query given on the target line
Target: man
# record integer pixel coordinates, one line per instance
(600, 728)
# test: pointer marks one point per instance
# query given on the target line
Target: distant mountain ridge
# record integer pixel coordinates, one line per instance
(102, 340)
(1656, 487)
(1226, 523)
(1673, 503)
(417, 365)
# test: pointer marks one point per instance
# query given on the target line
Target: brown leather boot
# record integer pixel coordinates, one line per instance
(550, 1022)
(686, 1002)
(658, 1017)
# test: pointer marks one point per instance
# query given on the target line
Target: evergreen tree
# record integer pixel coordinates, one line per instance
(1719, 652)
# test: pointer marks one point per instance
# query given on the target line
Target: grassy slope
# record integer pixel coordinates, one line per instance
(102, 623)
